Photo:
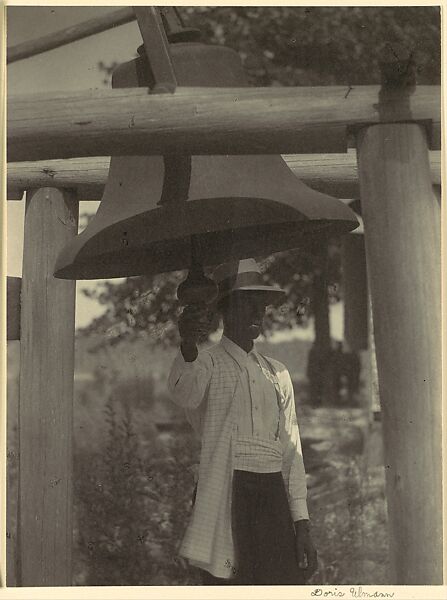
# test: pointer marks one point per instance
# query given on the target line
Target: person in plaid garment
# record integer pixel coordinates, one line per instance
(249, 523)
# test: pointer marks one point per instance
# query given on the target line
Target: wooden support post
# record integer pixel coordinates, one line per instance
(355, 291)
(374, 393)
(13, 290)
(402, 231)
(12, 459)
(320, 365)
(46, 393)
(12, 398)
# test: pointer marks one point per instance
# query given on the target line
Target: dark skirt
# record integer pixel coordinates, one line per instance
(263, 533)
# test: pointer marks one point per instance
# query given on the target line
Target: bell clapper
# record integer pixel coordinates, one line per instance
(197, 289)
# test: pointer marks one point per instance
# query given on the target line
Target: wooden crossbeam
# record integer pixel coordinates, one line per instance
(86, 175)
(198, 120)
(334, 174)
(70, 34)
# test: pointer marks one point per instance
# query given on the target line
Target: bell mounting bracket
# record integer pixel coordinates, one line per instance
(156, 45)
(158, 27)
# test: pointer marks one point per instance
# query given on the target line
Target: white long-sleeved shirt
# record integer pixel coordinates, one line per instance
(237, 403)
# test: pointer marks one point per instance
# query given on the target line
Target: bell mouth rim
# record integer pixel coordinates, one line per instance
(175, 254)
(217, 214)
(244, 208)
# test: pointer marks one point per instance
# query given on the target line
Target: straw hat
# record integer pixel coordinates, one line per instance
(244, 275)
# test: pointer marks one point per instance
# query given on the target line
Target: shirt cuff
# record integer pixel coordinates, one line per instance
(298, 509)
(180, 365)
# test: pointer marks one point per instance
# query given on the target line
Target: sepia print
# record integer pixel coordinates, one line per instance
(224, 297)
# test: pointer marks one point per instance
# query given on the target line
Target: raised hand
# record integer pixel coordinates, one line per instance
(193, 325)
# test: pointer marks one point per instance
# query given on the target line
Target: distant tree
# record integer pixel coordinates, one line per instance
(137, 307)
(318, 45)
(147, 306)
(291, 45)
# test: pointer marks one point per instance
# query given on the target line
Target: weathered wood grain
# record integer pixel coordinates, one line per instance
(334, 174)
(197, 120)
(402, 232)
(46, 393)
(85, 175)
(13, 289)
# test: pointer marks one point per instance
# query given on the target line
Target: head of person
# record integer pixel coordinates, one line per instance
(244, 297)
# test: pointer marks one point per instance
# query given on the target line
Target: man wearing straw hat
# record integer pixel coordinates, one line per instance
(249, 524)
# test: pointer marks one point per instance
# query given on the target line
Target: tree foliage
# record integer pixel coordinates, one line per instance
(282, 46)
(292, 45)
(147, 306)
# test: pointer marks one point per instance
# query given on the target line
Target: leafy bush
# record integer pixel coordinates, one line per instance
(350, 530)
(131, 506)
(133, 490)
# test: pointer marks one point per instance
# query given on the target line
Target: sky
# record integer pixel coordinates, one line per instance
(74, 67)
(71, 67)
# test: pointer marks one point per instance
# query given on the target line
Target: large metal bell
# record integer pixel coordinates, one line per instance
(232, 207)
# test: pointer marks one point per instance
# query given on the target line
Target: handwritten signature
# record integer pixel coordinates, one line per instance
(357, 592)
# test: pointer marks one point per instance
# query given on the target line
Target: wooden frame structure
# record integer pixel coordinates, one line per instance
(395, 176)
(334, 174)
